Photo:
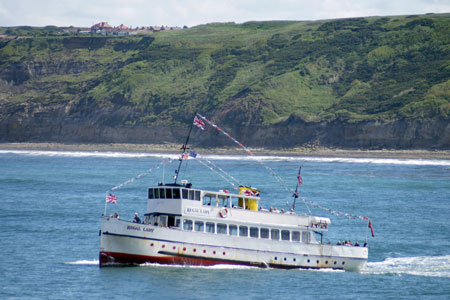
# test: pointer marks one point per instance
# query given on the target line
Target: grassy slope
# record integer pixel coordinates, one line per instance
(253, 73)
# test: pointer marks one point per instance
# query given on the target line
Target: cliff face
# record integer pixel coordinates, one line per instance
(68, 124)
(367, 83)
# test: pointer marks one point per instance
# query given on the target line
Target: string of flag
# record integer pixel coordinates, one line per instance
(199, 123)
(280, 180)
(341, 214)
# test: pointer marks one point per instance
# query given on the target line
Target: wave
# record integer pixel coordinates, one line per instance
(107, 154)
(82, 262)
(430, 266)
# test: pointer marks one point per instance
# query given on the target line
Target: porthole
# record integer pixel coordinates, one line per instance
(174, 247)
(285, 259)
(276, 258)
(204, 251)
(184, 249)
(224, 253)
(317, 261)
(294, 259)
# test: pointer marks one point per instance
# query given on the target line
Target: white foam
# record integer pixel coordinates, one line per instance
(107, 154)
(82, 262)
(430, 266)
(213, 267)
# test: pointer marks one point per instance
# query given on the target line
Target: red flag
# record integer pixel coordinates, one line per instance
(371, 228)
(110, 198)
(299, 179)
(199, 123)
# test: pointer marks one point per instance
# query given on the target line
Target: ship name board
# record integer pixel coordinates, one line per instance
(197, 211)
(138, 228)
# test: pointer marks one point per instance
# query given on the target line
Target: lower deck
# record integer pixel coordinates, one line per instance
(129, 243)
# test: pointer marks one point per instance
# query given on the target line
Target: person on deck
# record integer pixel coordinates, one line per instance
(136, 219)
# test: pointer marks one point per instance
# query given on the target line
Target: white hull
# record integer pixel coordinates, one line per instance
(130, 243)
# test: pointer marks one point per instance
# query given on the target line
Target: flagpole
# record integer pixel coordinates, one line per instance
(296, 188)
(106, 202)
(184, 147)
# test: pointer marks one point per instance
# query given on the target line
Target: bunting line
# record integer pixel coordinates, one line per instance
(143, 174)
(280, 180)
(341, 214)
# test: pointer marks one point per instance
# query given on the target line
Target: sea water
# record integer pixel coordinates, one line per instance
(51, 204)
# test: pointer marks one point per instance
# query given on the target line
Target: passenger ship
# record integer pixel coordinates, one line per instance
(188, 226)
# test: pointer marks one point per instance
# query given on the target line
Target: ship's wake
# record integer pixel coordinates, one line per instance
(430, 266)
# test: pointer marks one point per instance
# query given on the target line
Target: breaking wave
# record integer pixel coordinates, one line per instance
(430, 266)
(106, 154)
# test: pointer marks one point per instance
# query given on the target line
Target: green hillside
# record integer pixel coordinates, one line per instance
(253, 74)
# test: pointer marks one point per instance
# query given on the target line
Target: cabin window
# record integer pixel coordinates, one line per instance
(177, 222)
(264, 233)
(305, 237)
(295, 236)
(187, 225)
(191, 195)
(197, 195)
(163, 221)
(169, 193)
(243, 231)
(233, 229)
(156, 193)
(162, 193)
(185, 194)
(176, 194)
(275, 234)
(210, 227)
(150, 194)
(221, 228)
(254, 232)
(199, 226)
(285, 235)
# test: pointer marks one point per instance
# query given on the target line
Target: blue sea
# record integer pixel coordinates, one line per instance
(51, 204)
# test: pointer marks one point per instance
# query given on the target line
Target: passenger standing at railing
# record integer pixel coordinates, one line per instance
(136, 219)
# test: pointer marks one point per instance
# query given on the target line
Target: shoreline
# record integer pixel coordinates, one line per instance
(175, 148)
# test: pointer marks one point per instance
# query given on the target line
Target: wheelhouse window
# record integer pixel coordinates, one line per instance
(275, 234)
(285, 235)
(254, 232)
(232, 229)
(185, 194)
(210, 227)
(162, 193)
(151, 194)
(187, 225)
(169, 193)
(176, 194)
(264, 233)
(295, 236)
(199, 226)
(243, 231)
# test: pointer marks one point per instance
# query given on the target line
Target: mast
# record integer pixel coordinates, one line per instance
(184, 148)
(299, 182)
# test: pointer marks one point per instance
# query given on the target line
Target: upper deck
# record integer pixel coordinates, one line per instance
(182, 200)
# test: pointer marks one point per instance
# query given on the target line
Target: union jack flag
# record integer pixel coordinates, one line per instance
(199, 123)
(110, 198)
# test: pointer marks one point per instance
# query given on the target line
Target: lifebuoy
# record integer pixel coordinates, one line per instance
(223, 213)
